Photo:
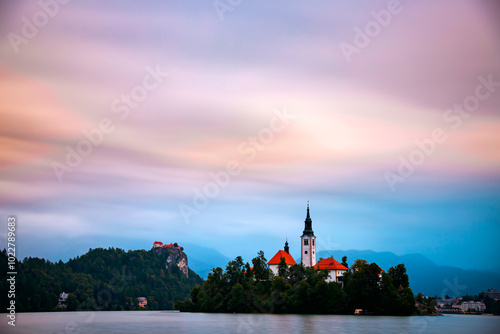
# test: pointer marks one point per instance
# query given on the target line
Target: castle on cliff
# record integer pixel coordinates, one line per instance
(175, 256)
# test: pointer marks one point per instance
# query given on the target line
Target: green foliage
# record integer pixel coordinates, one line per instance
(297, 289)
(102, 279)
(362, 285)
(237, 300)
(344, 261)
(496, 307)
(72, 302)
(260, 267)
(235, 270)
(399, 276)
(283, 268)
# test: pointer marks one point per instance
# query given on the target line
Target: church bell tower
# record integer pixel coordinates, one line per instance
(308, 243)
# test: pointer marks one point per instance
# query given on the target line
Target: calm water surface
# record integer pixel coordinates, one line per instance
(181, 323)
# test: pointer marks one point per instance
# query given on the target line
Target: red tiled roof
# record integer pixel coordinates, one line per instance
(277, 258)
(171, 245)
(158, 242)
(330, 264)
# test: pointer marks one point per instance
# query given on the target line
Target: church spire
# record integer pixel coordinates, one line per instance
(308, 223)
(308, 242)
(287, 249)
(308, 216)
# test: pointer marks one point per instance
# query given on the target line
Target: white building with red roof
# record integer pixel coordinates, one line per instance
(276, 259)
(335, 269)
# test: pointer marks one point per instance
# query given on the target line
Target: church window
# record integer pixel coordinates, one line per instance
(312, 242)
(306, 242)
(305, 252)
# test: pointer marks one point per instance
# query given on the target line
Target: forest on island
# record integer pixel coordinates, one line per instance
(102, 279)
(252, 288)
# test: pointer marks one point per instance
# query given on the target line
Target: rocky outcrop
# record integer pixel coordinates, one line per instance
(174, 257)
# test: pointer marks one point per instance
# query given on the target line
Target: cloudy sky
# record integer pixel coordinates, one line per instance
(214, 123)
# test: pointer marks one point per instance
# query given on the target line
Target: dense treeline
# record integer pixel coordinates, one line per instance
(297, 289)
(102, 279)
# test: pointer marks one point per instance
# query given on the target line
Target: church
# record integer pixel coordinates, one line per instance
(308, 255)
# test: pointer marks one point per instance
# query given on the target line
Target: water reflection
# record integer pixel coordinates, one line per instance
(183, 323)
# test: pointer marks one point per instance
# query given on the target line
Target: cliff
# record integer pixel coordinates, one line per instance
(174, 256)
(121, 275)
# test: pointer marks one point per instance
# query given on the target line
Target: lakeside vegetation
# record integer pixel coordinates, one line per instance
(102, 279)
(244, 287)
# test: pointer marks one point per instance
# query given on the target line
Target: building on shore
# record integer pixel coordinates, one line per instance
(61, 302)
(493, 294)
(473, 306)
(142, 302)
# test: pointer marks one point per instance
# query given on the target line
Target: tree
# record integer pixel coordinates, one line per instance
(359, 264)
(296, 273)
(430, 305)
(249, 275)
(71, 302)
(235, 270)
(283, 268)
(420, 298)
(260, 267)
(399, 276)
(406, 301)
(237, 299)
(216, 283)
(496, 308)
(194, 294)
(362, 285)
(344, 261)
(388, 296)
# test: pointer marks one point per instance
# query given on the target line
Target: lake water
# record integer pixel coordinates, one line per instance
(181, 323)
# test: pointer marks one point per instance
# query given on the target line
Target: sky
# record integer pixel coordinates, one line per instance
(214, 123)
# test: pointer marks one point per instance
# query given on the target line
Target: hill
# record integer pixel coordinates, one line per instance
(425, 275)
(101, 279)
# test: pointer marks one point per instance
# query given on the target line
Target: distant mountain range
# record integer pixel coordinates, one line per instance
(202, 259)
(425, 276)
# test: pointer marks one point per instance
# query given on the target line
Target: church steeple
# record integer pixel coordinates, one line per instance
(308, 242)
(287, 249)
(308, 224)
